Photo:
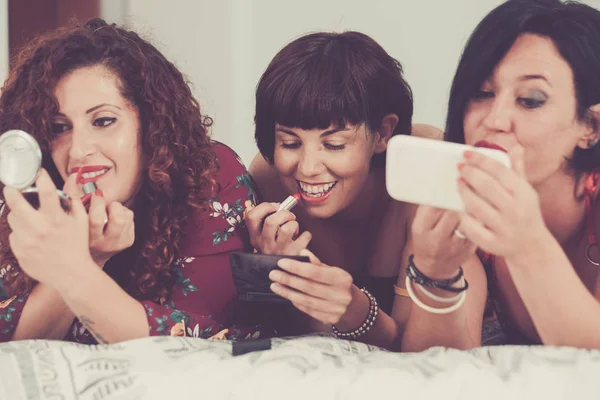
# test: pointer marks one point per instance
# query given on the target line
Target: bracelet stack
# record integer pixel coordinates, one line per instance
(415, 277)
(366, 325)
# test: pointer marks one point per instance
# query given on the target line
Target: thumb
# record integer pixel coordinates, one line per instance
(78, 210)
(303, 240)
(517, 158)
(311, 256)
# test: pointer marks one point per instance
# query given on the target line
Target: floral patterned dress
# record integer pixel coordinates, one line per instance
(203, 298)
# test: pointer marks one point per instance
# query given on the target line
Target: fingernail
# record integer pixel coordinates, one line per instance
(78, 179)
(461, 166)
(283, 263)
(86, 198)
(98, 192)
(460, 180)
(467, 154)
(274, 287)
(274, 275)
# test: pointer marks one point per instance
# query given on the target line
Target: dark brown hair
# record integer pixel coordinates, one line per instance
(322, 79)
(573, 27)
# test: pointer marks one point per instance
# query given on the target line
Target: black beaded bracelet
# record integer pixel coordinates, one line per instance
(366, 325)
(418, 277)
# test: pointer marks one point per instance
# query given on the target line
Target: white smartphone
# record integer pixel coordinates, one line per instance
(425, 171)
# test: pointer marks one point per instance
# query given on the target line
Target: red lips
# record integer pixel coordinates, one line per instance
(84, 169)
(87, 198)
(488, 145)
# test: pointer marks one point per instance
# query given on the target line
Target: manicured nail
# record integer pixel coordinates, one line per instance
(275, 275)
(85, 199)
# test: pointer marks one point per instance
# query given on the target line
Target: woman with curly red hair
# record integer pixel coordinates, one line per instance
(150, 257)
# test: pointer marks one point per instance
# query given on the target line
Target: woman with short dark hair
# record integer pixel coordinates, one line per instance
(326, 107)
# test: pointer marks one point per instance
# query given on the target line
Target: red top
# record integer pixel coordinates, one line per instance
(202, 300)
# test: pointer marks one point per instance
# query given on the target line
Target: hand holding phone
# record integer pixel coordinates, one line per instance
(425, 171)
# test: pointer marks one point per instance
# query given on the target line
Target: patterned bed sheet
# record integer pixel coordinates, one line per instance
(311, 367)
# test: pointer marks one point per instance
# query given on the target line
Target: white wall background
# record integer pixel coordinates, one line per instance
(3, 40)
(223, 46)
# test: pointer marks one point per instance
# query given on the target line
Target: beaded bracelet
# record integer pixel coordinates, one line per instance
(366, 325)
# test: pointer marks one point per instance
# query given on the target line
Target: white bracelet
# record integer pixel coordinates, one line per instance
(430, 309)
(441, 299)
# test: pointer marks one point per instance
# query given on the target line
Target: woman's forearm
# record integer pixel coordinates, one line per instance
(424, 330)
(45, 316)
(384, 332)
(563, 311)
(107, 311)
(459, 329)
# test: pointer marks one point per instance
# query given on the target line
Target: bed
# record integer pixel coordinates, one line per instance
(307, 367)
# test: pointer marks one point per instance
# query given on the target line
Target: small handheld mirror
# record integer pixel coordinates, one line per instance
(20, 163)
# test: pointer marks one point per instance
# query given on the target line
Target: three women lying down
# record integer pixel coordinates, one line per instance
(150, 256)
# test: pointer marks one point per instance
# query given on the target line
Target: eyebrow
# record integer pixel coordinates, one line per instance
(94, 108)
(324, 134)
(533, 77)
(101, 105)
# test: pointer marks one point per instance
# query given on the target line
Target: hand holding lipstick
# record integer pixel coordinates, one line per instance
(112, 229)
(273, 228)
(111, 225)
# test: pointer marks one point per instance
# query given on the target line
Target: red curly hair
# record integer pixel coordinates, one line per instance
(180, 166)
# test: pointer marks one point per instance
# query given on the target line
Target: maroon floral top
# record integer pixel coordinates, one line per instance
(202, 301)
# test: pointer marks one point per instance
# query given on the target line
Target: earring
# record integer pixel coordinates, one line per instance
(591, 143)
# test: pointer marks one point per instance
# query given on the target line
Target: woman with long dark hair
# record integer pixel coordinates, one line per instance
(527, 83)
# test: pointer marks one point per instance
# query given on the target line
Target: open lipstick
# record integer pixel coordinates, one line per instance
(290, 202)
(89, 188)
(286, 205)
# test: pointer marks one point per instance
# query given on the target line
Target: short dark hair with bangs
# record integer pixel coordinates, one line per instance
(325, 78)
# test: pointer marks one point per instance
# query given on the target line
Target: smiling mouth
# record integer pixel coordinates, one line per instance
(316, 191)
(84, 176)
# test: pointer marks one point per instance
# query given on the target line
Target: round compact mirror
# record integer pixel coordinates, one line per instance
(20, 159)
(20, 163)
